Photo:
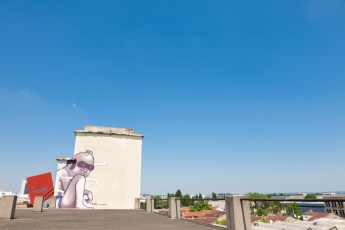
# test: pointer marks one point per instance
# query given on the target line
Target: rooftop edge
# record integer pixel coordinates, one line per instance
(109, 131)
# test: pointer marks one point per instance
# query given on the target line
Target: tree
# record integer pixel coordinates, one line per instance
(262, 212)
(294, 210)
(200, 196)
(142, 205)
(195, 197)
(214, 195)
(263, 208)
(310, 196)
(159, 203)
(256, 204)
(186, 202)
(178, 193)
(277, 207)
(200, 205)
(171, 195)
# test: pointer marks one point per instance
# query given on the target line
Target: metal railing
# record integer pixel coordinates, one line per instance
(172, 208)
(302, 202)
(243, 206)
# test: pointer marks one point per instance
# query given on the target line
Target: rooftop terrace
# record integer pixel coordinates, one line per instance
(95, 219)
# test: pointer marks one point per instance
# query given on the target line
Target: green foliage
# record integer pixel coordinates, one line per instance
(274, 194)
(255, 195)
(200, 196)
(171, 195)
(159, 203)
(221, 222)
(276, 207)
(264, 219)
(294, 210)
(186, 202)
(271, 195)
(178, 193)
(195, 197)
(142, 205)
(263, 208)
(310, 196)
(200, 205)
(214, 195)
(254, 205)
(262, 211)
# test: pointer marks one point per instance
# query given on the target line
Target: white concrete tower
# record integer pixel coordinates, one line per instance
(115, 179)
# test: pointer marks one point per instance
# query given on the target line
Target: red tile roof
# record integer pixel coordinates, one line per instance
(316, 215)
(203, 213)
(191, 214)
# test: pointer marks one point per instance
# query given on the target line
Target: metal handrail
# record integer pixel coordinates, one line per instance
(48, 193)
(268, 199)
(297, 200)
(177, 198)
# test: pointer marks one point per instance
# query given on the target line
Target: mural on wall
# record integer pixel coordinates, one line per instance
(72, 179)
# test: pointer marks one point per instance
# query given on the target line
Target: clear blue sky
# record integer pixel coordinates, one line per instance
(232, 96)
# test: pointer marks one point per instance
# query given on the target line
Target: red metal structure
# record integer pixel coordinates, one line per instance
(40, 185)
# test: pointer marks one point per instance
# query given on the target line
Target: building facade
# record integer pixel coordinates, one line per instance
(336, 207)
(105, 171)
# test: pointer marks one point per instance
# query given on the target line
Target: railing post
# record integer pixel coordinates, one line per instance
(137, 203)
(38, 204)
(174, 208)
(149, 204)
(178, 209)
(8, 207)
(52, 202)
(237, 213)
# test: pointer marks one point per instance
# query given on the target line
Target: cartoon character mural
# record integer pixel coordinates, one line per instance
(72, 179)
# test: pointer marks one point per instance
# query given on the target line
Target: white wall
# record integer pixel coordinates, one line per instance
(115, 181)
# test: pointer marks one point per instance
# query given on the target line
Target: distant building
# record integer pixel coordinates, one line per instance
(311, 216)
(223, 195)
(329, 193)
(335, 207)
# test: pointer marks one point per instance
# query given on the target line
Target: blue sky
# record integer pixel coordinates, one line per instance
(232, 96)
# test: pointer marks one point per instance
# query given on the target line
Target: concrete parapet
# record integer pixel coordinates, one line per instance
(8, 207)
(52, 203)
(137, 203)
(174, 208)
(237, 213)
(38, 204)
(150, 204)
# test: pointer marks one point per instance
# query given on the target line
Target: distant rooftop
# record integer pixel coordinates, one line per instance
(109, 131)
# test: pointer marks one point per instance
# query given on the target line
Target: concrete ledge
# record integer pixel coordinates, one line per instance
(52, 202)
(150, 205)
(174, 208)
(38, 204)
(8, 207)
(237, 213)
(137, 203)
